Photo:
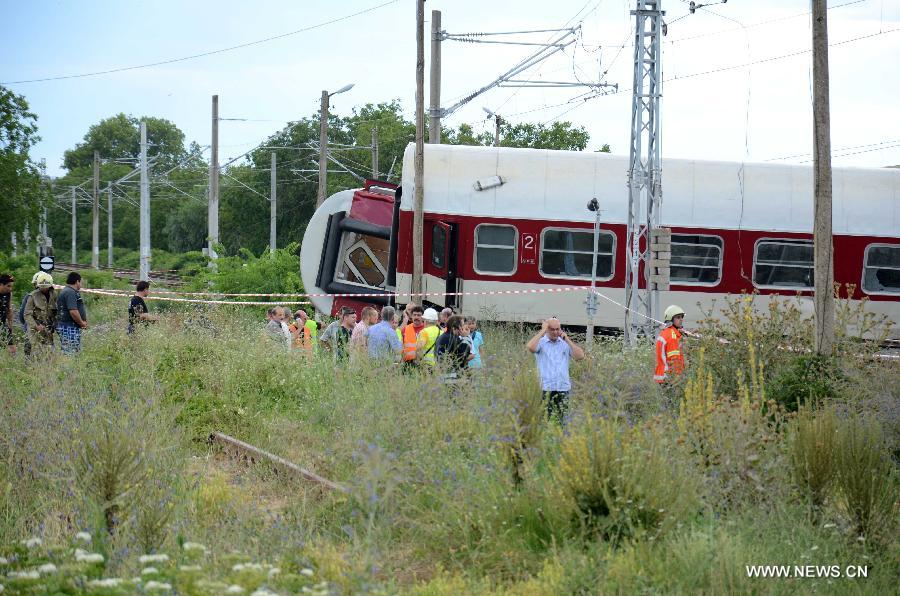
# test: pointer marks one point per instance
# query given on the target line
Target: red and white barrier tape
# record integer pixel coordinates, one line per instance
(370, 295)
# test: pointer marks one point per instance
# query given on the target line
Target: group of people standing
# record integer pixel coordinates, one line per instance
(415, 337)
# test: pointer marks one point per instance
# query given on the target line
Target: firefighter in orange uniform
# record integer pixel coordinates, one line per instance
(669, 356)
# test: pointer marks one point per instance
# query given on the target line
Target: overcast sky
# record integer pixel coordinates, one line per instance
(758, 108)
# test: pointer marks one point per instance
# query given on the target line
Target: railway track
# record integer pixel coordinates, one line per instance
(167, 278)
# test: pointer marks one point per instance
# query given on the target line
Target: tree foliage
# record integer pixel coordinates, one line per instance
(119, 138)
(21, 194)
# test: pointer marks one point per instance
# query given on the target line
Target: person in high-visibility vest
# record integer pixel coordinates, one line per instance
(428, 337)
(410, 335)
(669, 357)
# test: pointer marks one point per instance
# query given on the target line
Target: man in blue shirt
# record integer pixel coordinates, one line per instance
(383, 341)
(552, 351)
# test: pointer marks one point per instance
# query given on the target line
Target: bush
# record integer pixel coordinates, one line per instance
(812, 453)
(522, 413)
(627, 483)
(810, 378)
(866, 477)
(247, 273)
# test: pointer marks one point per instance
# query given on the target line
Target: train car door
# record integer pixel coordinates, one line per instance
(441, 271)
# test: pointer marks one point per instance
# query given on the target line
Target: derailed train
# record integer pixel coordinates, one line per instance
(499, 219)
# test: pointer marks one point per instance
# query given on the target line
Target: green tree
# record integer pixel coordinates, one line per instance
(21, 195)
(119, 138)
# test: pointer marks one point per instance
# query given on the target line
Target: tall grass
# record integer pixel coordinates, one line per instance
(451, 490)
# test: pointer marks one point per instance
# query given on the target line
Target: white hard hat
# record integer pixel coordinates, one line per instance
(672, 312)
(43, 280)
(430, 314)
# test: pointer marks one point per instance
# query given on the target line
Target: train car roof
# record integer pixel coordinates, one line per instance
(557, 185)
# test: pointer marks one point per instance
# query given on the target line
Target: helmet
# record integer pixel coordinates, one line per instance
(43, 280)
(430, 314)
(672, 312)
(34, 278)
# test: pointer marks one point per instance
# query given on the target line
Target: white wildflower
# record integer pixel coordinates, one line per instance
(1, 588)
(815, 547)
(188, 568)
(47, 568)
(826, 526)
(234, 589)
(149, 571)
(160, 558)
(32, 542)
(248, 566)
(109, 582)
(83, 537)
(4, 561)
(263, 591)
(307, 572)
(86, 557)
(306, 590)
(273, 572)
(24, 575)
(153, 586)
(194, 546)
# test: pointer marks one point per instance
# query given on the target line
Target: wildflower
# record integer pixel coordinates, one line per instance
(83, 537)
(263, 591)
(82, 556)
(109, 582)
(248, 566)
(306, 572)
(32, 542)
(194, 546)
(4, 561)
(149, 571)
(47, 568)
(826, 526)
(160, 558)
(273, 572)
(24, 575)
(234, 589)
(1, 588)
(189, 568)
(162, 587)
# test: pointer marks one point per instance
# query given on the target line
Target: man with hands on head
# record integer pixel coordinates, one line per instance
(552, 351)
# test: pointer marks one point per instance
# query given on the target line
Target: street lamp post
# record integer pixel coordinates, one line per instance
(591, 302)
(323, 143)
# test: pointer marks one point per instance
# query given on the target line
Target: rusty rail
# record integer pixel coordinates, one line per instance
(251, 452)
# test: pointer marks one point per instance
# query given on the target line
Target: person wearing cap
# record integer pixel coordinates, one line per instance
(40, 315)
(6, 312)
(425, 348)
(669, 357)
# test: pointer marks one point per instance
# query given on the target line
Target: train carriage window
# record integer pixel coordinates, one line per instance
(495, 249)
(364, 260)
(696, 259)
(569, 253)
(783, 264)
(438, 245)
(881, 273)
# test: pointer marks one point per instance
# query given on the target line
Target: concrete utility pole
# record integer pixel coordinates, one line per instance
(74, 230)
(591, 301)
(323, 143)
(323, 150)
(645, 177)
(434, 111)
(109, 226)
(823, 253)
(213, 213)
(375, 153)
(95, 218)
(273, 205)
(497, 122)
(419, 191)
(145, 208)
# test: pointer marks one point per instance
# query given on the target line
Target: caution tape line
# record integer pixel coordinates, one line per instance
(371, 295)
(164, 299)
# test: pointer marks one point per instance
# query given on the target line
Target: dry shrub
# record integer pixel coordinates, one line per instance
(735, 441)
(866, 476)
(627, 482)
(521, 422)
(812, 450)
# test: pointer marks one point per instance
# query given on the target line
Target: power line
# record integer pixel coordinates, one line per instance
(203, 54)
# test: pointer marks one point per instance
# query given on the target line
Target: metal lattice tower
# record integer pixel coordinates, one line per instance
(644, 173)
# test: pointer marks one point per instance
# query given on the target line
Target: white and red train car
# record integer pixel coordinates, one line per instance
(736, 227)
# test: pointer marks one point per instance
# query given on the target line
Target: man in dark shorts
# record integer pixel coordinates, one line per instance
(72, 315)
(137, 309)
(6, 312)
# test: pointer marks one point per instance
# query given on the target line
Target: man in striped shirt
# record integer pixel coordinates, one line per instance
(552, 351)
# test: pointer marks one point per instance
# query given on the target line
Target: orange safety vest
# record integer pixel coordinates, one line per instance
(669, 358)
(410, 342)
(301, 337)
